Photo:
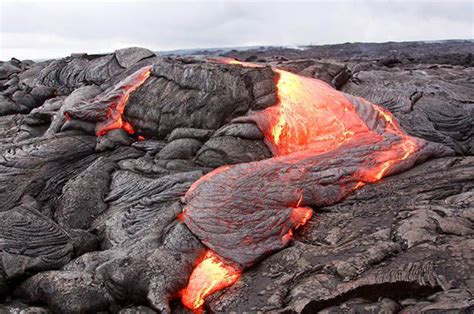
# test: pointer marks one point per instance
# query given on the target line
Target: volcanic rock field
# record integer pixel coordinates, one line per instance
(329, 179)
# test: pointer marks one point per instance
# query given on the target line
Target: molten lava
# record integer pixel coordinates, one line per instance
(210, 275)
(299, 217)
(115, 112)
(312, 116)
(309, 119)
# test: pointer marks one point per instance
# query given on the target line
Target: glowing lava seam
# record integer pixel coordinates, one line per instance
(115, 112)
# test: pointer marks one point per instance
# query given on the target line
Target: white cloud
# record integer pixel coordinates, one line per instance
(39, 45)
(43, 29)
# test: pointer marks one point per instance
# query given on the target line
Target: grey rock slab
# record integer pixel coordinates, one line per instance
(129, 56)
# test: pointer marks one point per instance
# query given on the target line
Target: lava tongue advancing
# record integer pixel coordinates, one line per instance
(326, 143)
(210, 275)
(309, 115)
(214, 273)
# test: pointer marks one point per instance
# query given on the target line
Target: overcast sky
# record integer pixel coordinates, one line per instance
(46, 29)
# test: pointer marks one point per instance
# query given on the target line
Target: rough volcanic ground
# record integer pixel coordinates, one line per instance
(92, 223)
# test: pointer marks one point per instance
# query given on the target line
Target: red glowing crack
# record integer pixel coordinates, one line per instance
(115, 112)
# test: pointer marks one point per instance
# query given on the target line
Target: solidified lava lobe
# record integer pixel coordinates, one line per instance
(115, 112)
(210, 275)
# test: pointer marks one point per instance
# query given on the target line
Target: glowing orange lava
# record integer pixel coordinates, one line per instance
(311, 118)
(115, 118)
(233, 61)
(299, 217)
(310, 115)
(210, 275)
(398, 152)
(213, 273)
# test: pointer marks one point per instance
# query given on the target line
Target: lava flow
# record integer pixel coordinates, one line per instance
(299, 217)
(312, 116)
(210, 275)
(310, 125)
(120, 95)
(214, 273)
